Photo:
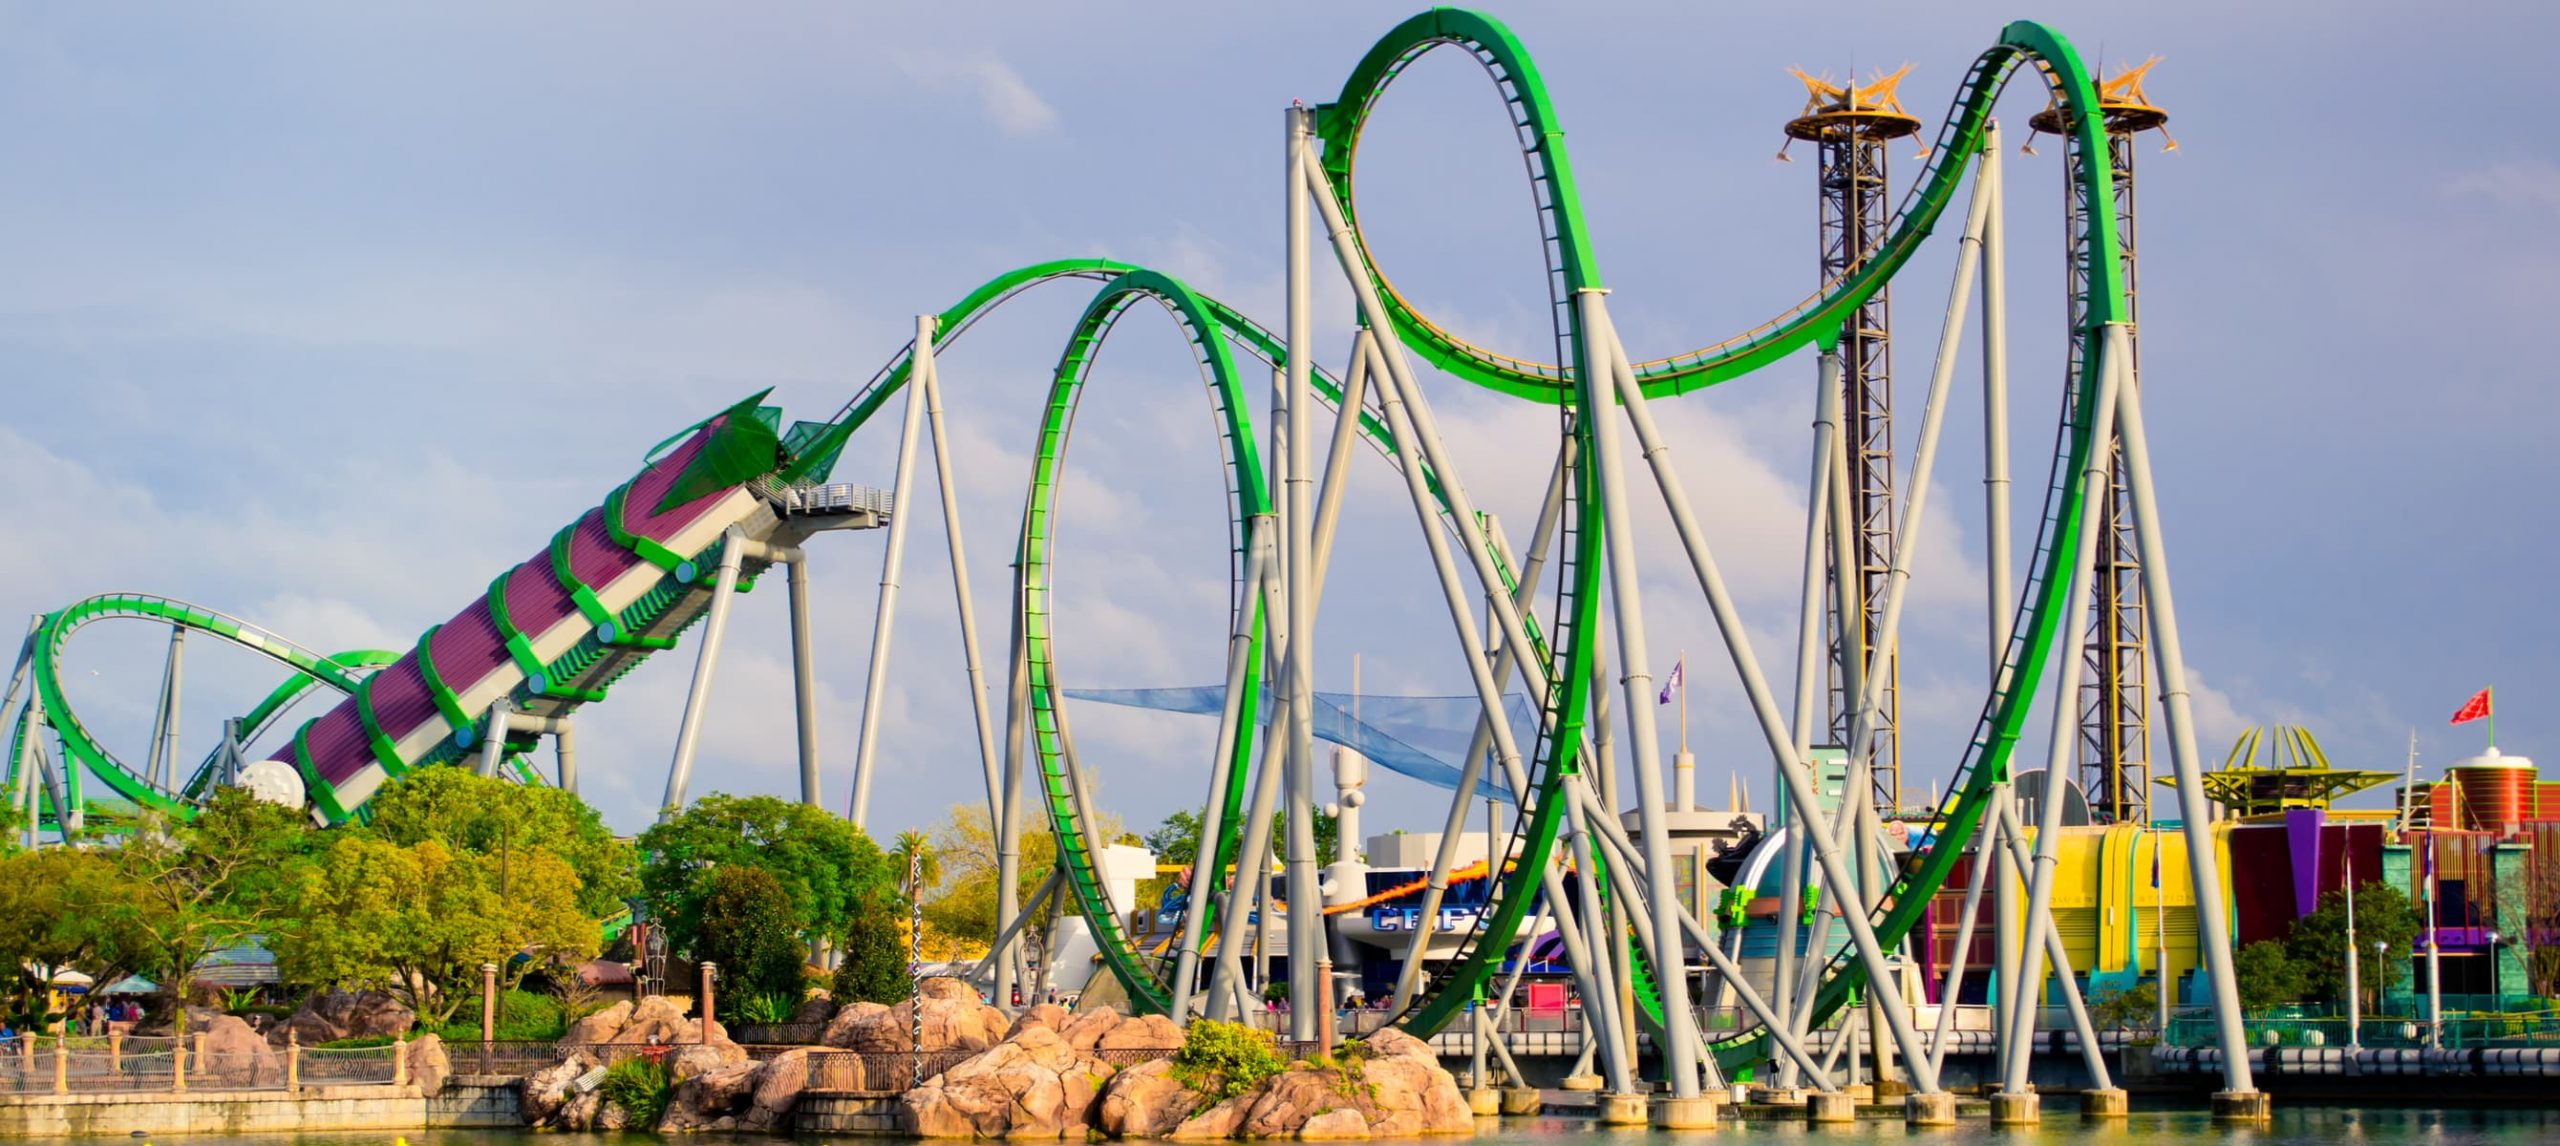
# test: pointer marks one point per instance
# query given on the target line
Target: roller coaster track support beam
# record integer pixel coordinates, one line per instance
(2012, 840)
(1471, 766)
(1792, 1048)
(161, 764)
(804, 682)
(958, 549)
(2093, 483)
(1308, 961)
(1247, 913)
(1006, 822)
(735, 548)
(1755, 684)
(2213, 929)
(893, 557)
(505, 720)
(1999, 584)
(1411, 425)
(1680, 1020)
(1589, 968)
(1809, 658)
(1213, 825)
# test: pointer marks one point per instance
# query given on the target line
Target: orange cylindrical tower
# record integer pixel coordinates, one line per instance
(2495, 792)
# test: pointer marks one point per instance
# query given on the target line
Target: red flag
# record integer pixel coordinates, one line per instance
(2475, 708)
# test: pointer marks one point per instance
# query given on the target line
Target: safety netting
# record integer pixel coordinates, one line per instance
(1421, 737)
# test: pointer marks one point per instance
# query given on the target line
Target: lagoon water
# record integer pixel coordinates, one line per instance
(2296, 1126)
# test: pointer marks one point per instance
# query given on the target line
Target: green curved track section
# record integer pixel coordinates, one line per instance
(1249, 506)
(310, 670)
(1572, 268)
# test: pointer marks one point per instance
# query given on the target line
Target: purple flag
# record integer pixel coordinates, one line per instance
(1671, 682)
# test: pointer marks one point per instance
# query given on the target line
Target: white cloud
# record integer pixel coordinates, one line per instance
(2522, 184)
(1005, 98)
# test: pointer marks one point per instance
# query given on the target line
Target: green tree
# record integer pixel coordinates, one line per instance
(486, 815)
(1177, 839)
(964, 907)
(824, 865)
(61, 907)
(746, 929)
(914, 852)
(1328, 832)
(419, 920)
(2318, 942)
(2267, 976)
(2135, 1008)
(874, 969)
(199, 887)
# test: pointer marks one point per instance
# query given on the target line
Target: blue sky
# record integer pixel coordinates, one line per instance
(322, 315)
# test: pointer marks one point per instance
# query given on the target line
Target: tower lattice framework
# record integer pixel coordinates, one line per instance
(1851, 128)
(2112, 759)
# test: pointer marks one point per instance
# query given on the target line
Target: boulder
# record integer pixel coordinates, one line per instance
(611, 1116)
(545, 1093)
(954, 1019)
(778, 1089)
(1219, 1121)
(700, 1102)
(329, 1016)
(1035, 1086)
(657, 1019)
(429, 1065)
(582, 1111)
(697, 1059)
(850, 1018)
(226, 1051)
(817, 1008)
(1085, 1031)
(1144, 1033)
(600, 1027)
(1407, 1096)
(1284, 1103)
(1048, 1015)
(1340, 1122)
(1145, 1101)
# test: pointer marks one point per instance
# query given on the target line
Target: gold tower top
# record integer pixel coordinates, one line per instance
(1834, 112)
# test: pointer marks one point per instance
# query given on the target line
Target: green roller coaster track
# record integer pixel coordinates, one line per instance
(1566, 648)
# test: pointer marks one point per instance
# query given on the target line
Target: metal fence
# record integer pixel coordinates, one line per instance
(51, 1064)
(2460, 1031)
(777, 1034)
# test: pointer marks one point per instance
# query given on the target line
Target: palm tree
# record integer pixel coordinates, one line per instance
(914, 852)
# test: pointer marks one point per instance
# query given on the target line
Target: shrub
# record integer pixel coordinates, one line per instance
(640, 1086)
(1223, 1060)
(523, 1016)
(747, 929)
(875, 961)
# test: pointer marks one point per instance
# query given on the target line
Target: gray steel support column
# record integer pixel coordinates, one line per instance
(30, 724)
(2084, 547)
(2213, 929)
(1471, 766)
(724, 586)
(1213, 818)
(1337, 459)
(162, 766)
(1306, 926)
(875, 682)
(804, 682)
(1625, 849)
(1680, 1021)
(493, 739)
(1764, 705)
(1782, 983)
(959, 550)
(1953, 985)
(2059, 955)
(1006, 821)
(564, 743)
(2000, 583)
(1588, 974)
(1241, 916)
(1820, 534)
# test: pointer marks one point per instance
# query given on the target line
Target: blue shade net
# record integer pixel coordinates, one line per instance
(1421, 737)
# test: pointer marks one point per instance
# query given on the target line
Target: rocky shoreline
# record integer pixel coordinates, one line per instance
(1044, 1074)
